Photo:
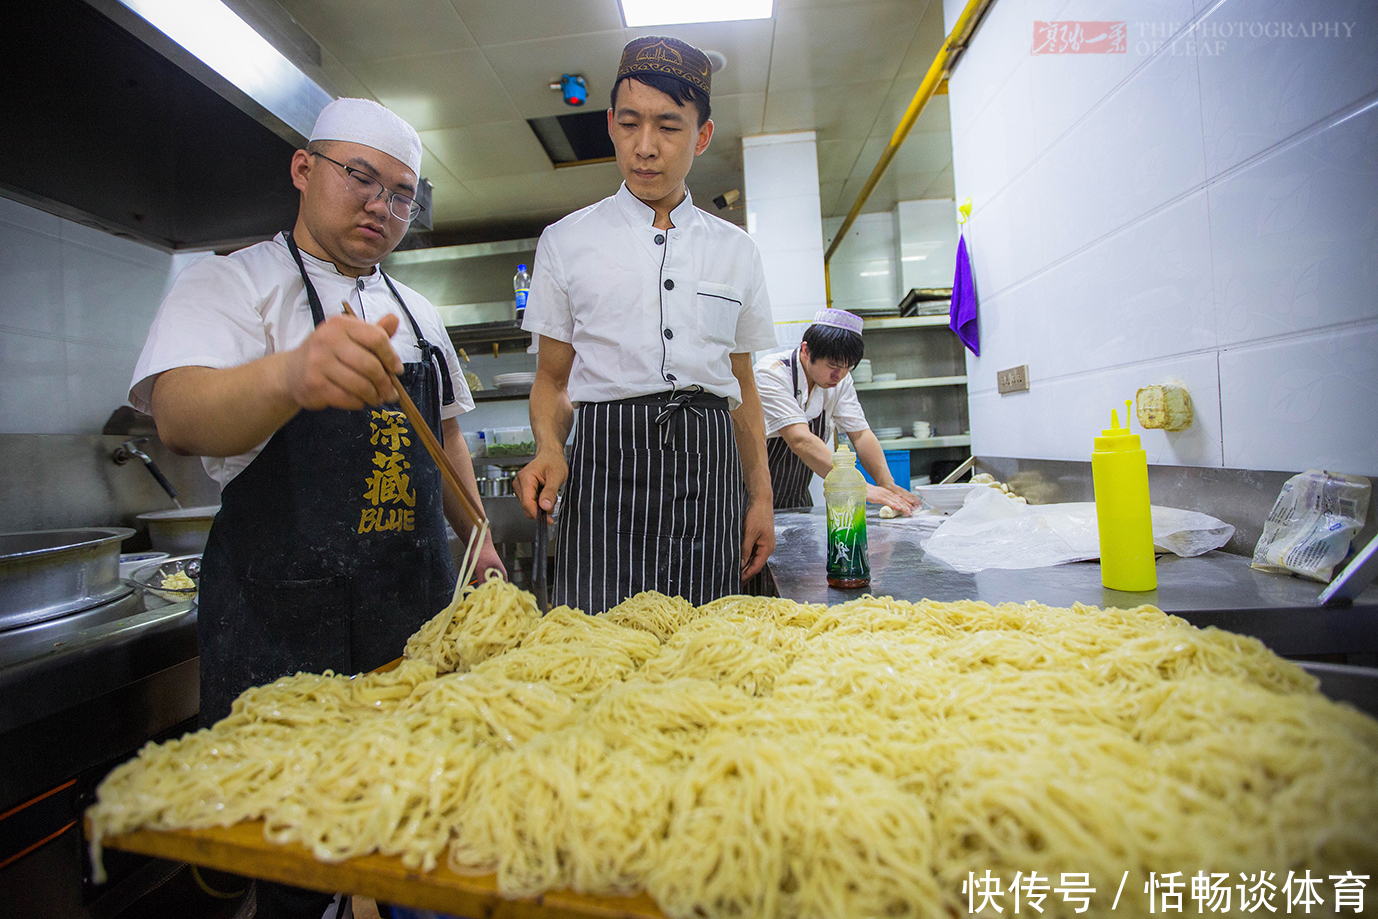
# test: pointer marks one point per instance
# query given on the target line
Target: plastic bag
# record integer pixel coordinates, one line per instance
(1312, 524)
(994, 531)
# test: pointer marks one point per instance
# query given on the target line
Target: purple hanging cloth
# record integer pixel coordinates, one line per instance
(963, 315)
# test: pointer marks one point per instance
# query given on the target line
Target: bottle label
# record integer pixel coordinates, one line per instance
(847, 550)
(521, 299)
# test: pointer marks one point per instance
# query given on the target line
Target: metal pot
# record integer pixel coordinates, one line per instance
(182, 531)
(49, 573)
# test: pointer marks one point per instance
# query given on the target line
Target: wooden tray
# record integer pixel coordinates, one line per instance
(241, 849)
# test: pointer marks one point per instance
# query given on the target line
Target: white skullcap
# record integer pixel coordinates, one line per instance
(363, 121)
(840, 319)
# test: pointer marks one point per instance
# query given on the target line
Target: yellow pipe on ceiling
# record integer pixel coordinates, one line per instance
(934, 82)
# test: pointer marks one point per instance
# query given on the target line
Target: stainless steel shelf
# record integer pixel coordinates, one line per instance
(917, 383)
(504, 461)
(502, 394)
(925, 443)
(905, 322)
(508, 335)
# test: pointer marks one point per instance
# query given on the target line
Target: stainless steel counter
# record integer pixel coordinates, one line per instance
(79, 691)
(1216, 589)
(79, 694)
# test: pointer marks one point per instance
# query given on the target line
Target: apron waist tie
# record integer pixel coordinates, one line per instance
(693, 398)
(682, 399)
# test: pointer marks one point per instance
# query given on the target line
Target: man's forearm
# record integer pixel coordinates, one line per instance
(749, 426)
(810, 448)
(751, 446)
(872, 457)
(203, 411)
(552, 415)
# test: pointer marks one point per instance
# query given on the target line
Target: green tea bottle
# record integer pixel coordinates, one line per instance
(844, 492)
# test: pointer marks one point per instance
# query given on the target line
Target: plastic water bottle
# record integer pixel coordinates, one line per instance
(844, 492)
(521, 284)
(1119, 474)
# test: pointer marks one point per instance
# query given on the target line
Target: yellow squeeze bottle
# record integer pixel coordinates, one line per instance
(1119, 474)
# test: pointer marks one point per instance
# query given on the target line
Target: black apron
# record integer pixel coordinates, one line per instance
(653, 502)
(790, 476)
(329, 549)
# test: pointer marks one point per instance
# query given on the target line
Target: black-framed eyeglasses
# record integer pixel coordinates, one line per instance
(366, 188)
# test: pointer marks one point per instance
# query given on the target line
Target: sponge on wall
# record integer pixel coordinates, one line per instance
(1166, 406)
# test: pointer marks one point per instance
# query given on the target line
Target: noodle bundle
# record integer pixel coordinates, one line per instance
(759, 757)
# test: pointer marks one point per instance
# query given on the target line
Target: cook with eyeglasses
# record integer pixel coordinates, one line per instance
(330, 548)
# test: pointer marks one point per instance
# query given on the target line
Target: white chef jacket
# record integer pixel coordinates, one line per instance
(786, 403)
(224, 311)
(647, 316)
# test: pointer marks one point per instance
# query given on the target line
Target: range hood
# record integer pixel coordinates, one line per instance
(118, 124)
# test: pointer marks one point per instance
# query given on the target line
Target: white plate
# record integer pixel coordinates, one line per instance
(946, 498)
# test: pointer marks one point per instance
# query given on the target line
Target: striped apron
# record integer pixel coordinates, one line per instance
(790, 476)
(654, 501)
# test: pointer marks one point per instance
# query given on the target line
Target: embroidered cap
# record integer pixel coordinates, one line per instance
(669, 57)
(839, 319)
(363, 121)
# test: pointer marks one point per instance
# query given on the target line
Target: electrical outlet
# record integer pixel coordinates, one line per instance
(1015, 379)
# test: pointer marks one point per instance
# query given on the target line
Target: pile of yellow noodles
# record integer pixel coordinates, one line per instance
(765, 758)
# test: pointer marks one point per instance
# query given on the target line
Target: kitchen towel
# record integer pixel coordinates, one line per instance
(963, 311)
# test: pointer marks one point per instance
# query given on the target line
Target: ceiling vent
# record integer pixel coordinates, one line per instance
(575, 140)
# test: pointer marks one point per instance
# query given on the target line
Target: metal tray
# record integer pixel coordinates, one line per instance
(1346, 683)
(49, 573)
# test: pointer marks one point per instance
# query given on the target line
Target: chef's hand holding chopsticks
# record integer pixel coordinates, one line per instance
(214, 411)
(344, 363)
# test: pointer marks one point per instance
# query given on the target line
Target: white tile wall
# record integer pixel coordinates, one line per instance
(794, 280)
(97, 382)
(1179, 212)
(775, 222)
(774, 161)
(864, 270)
(30, 280)
(1303, 403)
(1143, 293)
(75, 305)
(1261, 90)
(1065, 87)
(1006, 235)
(33, 390)
(1016, 327)
(997, 145)
(1058, 418)
(783, 216)
(1137, 151)
(106, 284)
(1001, 45)
(926, 243)
(1295, 234)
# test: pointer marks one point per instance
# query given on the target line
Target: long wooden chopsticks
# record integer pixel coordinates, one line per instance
(433, 447)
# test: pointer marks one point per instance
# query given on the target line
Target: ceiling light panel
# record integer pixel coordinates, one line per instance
(228, 45)
(637, 13)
